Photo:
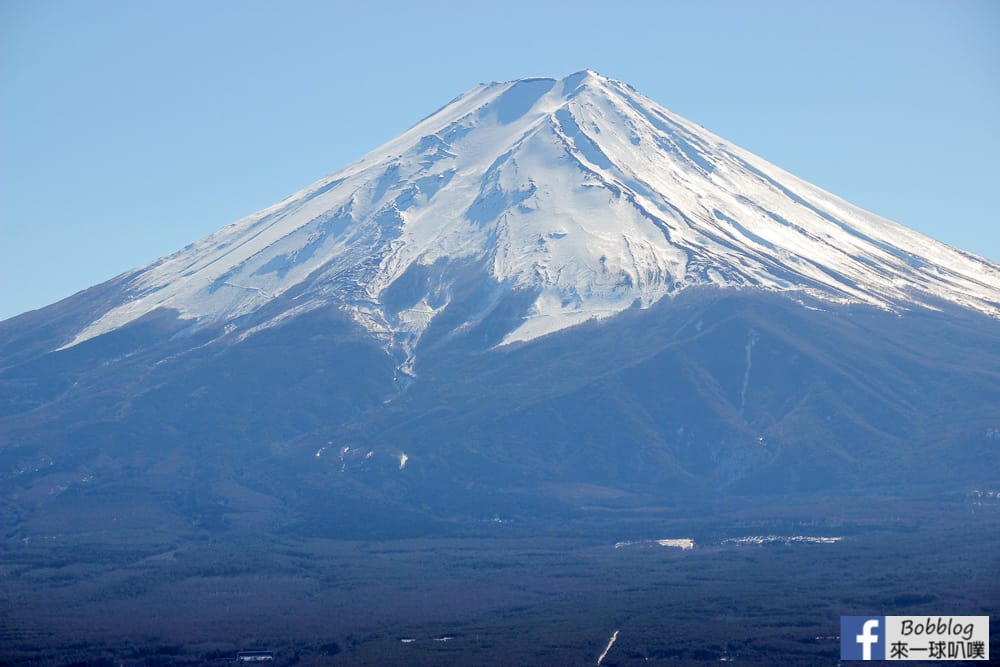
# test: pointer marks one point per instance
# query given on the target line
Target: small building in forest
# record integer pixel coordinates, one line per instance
(255, 656)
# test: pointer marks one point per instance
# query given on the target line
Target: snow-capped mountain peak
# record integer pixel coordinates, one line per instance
(579, 193)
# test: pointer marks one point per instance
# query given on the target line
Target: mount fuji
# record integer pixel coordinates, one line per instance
(580, 192)
(548, 294)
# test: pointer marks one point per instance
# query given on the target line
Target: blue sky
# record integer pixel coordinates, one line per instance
(130, 129)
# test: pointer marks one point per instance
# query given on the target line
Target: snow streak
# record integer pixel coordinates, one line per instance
(611, 643)
(752, 338)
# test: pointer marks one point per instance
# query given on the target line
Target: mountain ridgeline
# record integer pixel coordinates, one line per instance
(548, 296)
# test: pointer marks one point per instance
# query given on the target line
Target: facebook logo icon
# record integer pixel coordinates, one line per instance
(862, 637)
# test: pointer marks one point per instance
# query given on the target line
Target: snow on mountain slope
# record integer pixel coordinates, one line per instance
(580, 191)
